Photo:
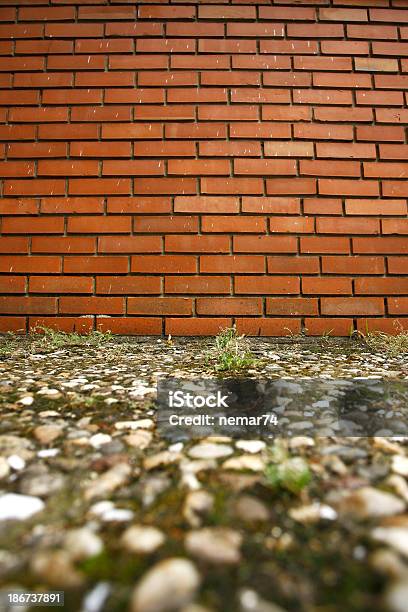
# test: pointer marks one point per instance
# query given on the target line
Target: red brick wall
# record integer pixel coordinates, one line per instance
(180, 166)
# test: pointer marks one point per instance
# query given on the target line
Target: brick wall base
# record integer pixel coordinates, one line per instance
(177, 167)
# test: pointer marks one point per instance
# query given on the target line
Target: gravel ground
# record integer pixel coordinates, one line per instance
(95, 502)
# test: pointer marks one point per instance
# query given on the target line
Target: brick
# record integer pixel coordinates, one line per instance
(329, 168)
(329, 326)
(345, 47)
(138, 62)
(232, 264)
(376, 207)
(342, 14)
(64, 244)
(286, 113)
(28, 305)
(104, 79)
(372, 32)
(379, 244)
(17, 132)
(322, 206)
(395, 188)
(397, 265)
(34, 187)
(391, 81)
(376, 98)
(55, 13)
(97, 113)
(16, 31)
(309, 62)
(232, 223)
(229, 79)
(164, 264)
(343, 150)
(228, 306)
(36, 150)
(129, 326)
(208, 326)
(199, 62)
(98, 224)
(106, 12)
(77, 62)
(129, 244)
(287, 79)
(323, 132)
(22, 64)
(288, 47)
(393, 151)
(73, 30)
(126, 131)
(326, 286)
(19, 98)
(195, 130)
(132, 168)
(104, 45)
(96, 265)
(390, 48)
(198, 30)
(137, 29)
(352, 264)
(293, 265)
(218, 45)
(91, 305)
(197, 284)
(99, 149)
(290, 186)
(380, 286)
(39, 79)
(231, 185)
(266, 285)
(197, 95)
(223, 12)
(72, 96)
(291, 306)
(99, 186)
(260, 326)
(324, 244)
(348, 187)
(166, 45)
(160, 306)
(377, 14)
(60, 284)
(388, 326)
(322, 96)
(379, 133)
(352, 306)
(271, 205)
(12, 284)
(260, 95)
(124, 285)
(133, 96)
(339, 80)
(144, 204)
(196, 244)
(16, 325)
(387, 115)
(164, 224)
(264, 244)
(16, 168)
(164, 185)
(375, 64)
(215, 148)
(330, 113)
(256, 30)
(32, 264)
(398, 305)
(385, 169)
(260, 130)
(315, 30)
(198, 167)
(68, 168)
(287, 13)
(72, 205)
(57, 131)
(166, 79)
(264, 167)
(292, 225)
(166, 12)
(206, 204)
(25, 206)
(394, 226)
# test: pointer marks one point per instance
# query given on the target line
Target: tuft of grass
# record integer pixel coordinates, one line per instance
(7, 344)
(231, 353)
(54, 339)
(393, 345)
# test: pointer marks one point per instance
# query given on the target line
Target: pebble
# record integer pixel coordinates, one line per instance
(45, 434)
(99, 440)
(56, 569)
(140, 439)
(19, 507)
(142, 539)
(42, 484)
(4, 468)
(95, 599)
(108, 482)
(250, 509)
(396, 537)
(369, 502)
(163, 458)
(167, 586)
(141, 424)
(251, 446)
(196, 504)
(82, 543)
(312, 513)
(16, 462)
(26, 401)
(245, 462)
(396, 596)
(210, 451)
(400, 465)
(215, 544)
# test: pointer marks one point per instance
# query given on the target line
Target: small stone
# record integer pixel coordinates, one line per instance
(56, 569)
(99, 440)
(197, 503)
(396, 596)
(250, 509)
(400, 465)
(140, 439)
(215, 544)
(108, 482)
(45, 434)
(210, 451)
(19, 507)
(141, 424)
(82, 543)
(4, 468)
(245, 462)
(301, 441)
(396, 537)
(312, 513)
(26, 401)
(163, 458)
(251, 446)
(41, 484)
(370, 502)
(16, 463)
(167, 586)
(142, 539)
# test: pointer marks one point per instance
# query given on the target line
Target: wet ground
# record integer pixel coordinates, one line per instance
(120, 517)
